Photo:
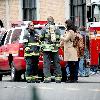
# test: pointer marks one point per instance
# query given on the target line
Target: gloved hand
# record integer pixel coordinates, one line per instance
(27, 48)
(36, 37)
(25, 40)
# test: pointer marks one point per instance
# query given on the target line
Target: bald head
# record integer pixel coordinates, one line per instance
(50, 20)
(31, 25)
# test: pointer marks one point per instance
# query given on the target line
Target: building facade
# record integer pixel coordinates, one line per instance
(17, 10)
(10, 10)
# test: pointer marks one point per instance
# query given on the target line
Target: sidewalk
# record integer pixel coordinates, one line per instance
(95, 78)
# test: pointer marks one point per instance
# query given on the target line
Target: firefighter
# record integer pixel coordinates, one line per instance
(50, 36)
(32, 47)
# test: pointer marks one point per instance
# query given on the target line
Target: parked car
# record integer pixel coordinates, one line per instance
(12, 53)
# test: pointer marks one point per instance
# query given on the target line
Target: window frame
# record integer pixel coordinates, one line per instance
(75, 5)
(29, 10)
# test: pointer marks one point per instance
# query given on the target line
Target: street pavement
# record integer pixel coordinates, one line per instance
(88, 88)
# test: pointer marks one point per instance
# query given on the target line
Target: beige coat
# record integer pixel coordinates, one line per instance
(70, 53)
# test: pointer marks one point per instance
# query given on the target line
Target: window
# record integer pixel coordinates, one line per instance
(16, 35)
(78, 12)
(29, 10)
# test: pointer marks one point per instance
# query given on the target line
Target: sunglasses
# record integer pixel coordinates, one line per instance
(31, 25)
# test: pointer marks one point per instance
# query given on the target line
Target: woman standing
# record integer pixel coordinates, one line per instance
(70, 52)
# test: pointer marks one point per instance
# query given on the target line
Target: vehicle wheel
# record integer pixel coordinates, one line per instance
(15, 75)
(0, 77)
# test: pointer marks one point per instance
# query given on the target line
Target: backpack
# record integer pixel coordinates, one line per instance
(78, 43)
(75, 41)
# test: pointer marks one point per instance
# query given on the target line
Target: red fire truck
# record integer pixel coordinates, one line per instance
(93, 24)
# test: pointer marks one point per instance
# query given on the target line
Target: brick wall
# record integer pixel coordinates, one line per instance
(3, 11)
(13, 9)
(53, 8)
(9, 11)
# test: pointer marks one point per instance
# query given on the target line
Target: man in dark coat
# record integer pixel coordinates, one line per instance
(32, 49)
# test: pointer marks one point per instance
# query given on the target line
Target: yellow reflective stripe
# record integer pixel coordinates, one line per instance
(27, 48)
(50, 50)
(31, 54)
(57, 45)
(28, 78)
(50, 45)
(41, 36)
(36, 77)
(54, 50)
(57, 36)
(47, 50)
(34, 53)
(27, 55)
(46, 35)
(33, 43)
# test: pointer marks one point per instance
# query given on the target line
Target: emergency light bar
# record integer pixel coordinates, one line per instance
(17, 23)
(39, 22)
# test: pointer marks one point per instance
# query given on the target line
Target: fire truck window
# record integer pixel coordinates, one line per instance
(3, 39)
(1, 35)
(16, 35)
(89, 17)
(8, 37)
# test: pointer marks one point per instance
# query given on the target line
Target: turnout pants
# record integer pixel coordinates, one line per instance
(32, 65)
(49, 56)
